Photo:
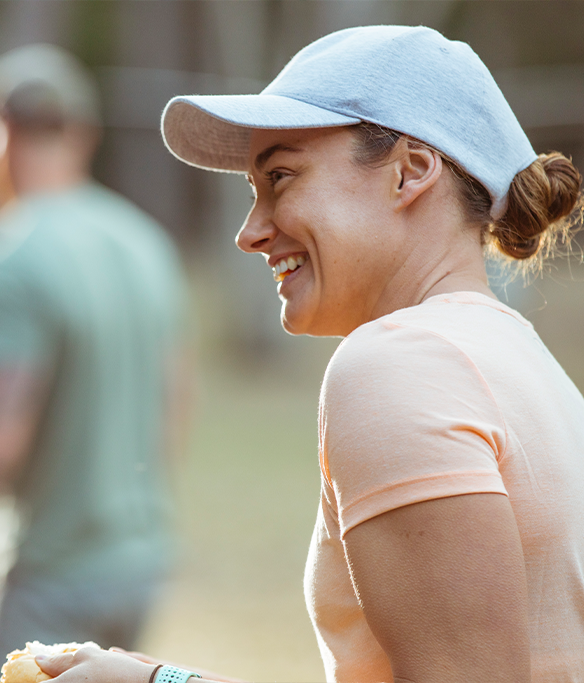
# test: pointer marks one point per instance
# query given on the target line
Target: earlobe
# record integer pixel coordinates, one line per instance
(418, 169)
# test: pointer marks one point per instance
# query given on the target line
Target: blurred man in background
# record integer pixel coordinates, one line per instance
(90, 299)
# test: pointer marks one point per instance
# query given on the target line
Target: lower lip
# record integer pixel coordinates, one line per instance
(289, 278)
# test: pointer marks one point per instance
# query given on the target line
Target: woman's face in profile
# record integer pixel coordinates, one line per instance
(325, 226)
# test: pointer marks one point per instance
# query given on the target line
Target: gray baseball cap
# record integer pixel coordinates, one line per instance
(49, 81)
(409, 79)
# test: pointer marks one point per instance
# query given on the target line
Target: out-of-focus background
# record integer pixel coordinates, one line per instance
(247, 487)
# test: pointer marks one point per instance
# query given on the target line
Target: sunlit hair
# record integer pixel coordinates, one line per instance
(544, 208)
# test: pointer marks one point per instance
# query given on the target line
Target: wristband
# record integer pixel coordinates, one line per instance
(154, 672)
(172, 674)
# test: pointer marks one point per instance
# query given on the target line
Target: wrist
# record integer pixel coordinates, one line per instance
(171, 674)
(155, 669)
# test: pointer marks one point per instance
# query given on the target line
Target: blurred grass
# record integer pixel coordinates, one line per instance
(248, 495)
(248, 499)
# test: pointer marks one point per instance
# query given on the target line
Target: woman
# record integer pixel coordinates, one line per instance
(448, 545)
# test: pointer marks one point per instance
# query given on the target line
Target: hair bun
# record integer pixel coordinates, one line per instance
(564, 181)
(539, 196)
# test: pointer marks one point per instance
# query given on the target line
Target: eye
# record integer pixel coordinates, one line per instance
(275, 176)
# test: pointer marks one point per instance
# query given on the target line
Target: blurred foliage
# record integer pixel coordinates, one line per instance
(93, 31)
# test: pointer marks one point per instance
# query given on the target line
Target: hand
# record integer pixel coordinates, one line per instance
(207, 675)
(141, 657)
(92, 665)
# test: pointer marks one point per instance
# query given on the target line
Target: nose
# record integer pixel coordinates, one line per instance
(257, 233)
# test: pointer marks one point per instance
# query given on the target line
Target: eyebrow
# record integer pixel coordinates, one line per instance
(262, 158)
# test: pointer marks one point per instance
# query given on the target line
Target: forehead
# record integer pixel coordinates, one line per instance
(265, 143)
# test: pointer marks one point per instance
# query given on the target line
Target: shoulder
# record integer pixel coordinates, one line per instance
(406, 415)
(397, 347)
(129, 224)
(23, 245)
(110, 201)
(461, 334)
(18, 222)
(407, 372)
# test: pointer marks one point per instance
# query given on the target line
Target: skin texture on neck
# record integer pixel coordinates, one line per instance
(442, 253)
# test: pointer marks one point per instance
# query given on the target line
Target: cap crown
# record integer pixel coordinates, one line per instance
(415, 81)
(409, 79)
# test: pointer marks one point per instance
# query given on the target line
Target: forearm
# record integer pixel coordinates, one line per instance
(92, 665)
(205, 673)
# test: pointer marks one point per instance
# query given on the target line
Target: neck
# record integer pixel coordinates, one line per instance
(444, 255)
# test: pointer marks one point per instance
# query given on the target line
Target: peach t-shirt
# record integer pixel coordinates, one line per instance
(457, 395)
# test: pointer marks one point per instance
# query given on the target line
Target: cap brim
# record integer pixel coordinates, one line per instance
(213, 131)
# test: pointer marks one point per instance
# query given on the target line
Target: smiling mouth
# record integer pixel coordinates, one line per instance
(287, 266)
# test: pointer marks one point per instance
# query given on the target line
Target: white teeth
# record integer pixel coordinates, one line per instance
(290, 264)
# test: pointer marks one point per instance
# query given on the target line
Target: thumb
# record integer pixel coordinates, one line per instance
(55, 665)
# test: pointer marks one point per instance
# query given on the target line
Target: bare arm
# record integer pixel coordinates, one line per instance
(442, 584)
(203, 672)
(91, 665)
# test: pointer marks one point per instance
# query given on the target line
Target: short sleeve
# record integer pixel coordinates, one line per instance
(405, 417)
(26, 332)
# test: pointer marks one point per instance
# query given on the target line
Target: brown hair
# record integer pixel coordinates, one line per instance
(544, 201)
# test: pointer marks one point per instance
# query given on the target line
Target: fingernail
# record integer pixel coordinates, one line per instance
(41, 658)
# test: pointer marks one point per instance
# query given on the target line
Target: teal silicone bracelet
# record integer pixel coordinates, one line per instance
(172, 674)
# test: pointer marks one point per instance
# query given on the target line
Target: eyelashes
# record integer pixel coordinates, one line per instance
(253, 196)
(272, 177)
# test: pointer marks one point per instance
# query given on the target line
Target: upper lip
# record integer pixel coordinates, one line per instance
(273, 260)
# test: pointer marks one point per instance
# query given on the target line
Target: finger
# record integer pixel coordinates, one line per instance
(56, 665)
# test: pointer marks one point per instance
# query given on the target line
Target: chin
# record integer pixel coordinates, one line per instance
(290, 327)
(311, 328)
(294, 321)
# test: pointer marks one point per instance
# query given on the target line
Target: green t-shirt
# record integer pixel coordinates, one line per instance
(90, 290)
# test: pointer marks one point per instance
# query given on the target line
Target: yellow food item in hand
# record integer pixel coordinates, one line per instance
(21, 667)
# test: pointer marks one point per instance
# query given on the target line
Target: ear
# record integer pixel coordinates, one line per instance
(416, 170)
